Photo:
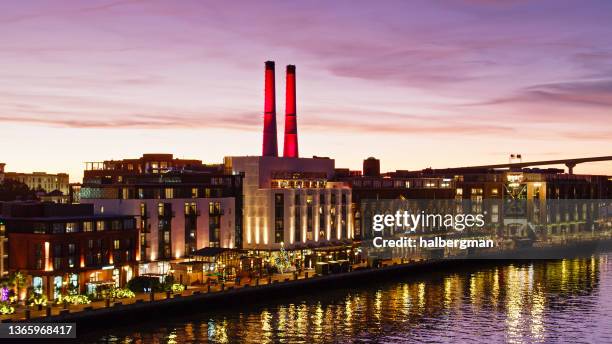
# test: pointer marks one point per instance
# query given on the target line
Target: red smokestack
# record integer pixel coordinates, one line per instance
(291, 137)
(270, 148)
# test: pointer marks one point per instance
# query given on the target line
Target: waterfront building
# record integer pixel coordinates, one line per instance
(373, 192)
(60, 246)
(519, 205)
(181, 205)
(292, 202)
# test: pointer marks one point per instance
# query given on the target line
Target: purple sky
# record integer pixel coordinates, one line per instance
(415, 83)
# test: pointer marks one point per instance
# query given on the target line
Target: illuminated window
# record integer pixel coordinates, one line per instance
(71, 227)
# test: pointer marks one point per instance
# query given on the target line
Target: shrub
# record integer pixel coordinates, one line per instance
(6, 308)
(177, 288)
(138, 284)
(37, 299)
(76, 299)
(119, 293)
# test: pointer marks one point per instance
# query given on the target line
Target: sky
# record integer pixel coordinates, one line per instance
(416, 84)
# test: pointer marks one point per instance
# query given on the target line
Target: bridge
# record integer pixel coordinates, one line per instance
(569, 163)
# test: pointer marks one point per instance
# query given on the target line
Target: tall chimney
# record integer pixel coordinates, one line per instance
(270, 147)
(291, 136)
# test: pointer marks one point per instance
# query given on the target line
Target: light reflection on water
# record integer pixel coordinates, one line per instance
(540, 302)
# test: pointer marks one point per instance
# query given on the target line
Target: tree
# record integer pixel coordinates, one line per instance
(13, 190)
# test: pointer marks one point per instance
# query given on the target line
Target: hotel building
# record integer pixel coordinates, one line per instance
(181, 205)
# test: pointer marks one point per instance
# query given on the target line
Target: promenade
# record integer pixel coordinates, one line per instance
(200, 297)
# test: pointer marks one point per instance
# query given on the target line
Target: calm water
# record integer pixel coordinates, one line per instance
(540, 302)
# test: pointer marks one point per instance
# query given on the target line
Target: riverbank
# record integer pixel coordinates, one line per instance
(197, 299)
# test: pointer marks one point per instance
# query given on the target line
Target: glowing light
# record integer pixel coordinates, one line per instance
(48, 266)
(257, 230)
(270, 147)
(290, 149)
(249, 229)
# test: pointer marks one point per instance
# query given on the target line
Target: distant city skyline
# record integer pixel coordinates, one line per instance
(416, 84)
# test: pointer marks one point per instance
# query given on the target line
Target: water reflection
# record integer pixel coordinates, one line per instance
(566, 300)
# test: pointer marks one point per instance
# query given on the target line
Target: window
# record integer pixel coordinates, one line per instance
(71, 227)
(100, 226)
(38, 256)
(344, 215)
(214, 208)
(298, 219)
(57, 263)
(128, 224)
(37, 284)
(58, 228)
(279, 216)
(190, 227)
(116, 244)
(169, 193)
(309, 218)
(71, 249)
(57, 250)
(190, 208)
(213, 231)
(87, 226)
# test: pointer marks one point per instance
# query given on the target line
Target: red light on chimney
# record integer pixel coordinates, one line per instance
(270, 147)
(291, 137)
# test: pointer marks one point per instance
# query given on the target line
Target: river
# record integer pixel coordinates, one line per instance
(497, 302)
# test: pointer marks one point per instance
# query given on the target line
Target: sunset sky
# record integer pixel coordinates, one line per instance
(415, 83)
